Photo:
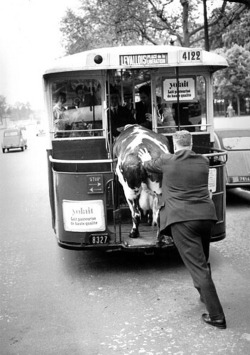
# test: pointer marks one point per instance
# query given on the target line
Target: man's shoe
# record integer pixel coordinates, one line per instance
(164, 240)
(219, 323)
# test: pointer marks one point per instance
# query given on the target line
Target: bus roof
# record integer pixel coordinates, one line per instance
(131, 57)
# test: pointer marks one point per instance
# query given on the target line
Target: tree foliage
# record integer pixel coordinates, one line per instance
(238, 32)
(105, 23)
(2, 106)
(19, 111)
(100, 23)
(234, 81)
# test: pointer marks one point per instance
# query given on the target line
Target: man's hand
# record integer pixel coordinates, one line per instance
(148, 117)
(144, 155)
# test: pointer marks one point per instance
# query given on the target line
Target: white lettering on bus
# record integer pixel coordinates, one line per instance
(143, 59)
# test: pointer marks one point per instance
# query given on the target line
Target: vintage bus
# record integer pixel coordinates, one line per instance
(87, 202)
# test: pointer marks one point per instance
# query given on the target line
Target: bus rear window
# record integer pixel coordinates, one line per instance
(236, 143)
(11, 134)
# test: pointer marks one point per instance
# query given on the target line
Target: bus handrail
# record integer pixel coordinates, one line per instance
(78, 130)
(183, 125)
(96, 161)
(217, 151)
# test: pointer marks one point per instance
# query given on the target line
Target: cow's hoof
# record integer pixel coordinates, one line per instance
(134, 234)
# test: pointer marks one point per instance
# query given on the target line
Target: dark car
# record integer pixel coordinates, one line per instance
(237, 144)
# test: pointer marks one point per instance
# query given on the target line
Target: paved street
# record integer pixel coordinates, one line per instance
(55, 301)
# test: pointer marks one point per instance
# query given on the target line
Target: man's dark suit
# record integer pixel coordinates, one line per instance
(120, 117)
(190, 214)
(184, 187)
(141, 110)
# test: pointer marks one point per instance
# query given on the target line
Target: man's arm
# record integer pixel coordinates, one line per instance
(152, 165)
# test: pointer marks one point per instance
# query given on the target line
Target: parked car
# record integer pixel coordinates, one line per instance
(13, 139)
(237, 144)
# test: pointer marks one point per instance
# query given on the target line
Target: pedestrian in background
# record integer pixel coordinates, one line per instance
(188, 213)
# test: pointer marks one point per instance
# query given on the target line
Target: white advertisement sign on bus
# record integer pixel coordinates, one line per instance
(83, 216)
(186, 89)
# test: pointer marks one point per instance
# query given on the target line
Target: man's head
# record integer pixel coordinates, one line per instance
(145, 94)
(61, 98)
(79, 90)
(182, 140)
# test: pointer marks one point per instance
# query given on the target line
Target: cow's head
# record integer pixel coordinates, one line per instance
(133, 172)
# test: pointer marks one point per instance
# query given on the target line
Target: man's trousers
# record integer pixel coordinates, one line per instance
(192, 240)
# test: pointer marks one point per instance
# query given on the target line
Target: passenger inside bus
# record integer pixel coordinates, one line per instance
(120, 115)
(84, 97)
(167, 119)
(77, 108)
(59, 108)
(78, 101)
(58, 114)
(144, 107)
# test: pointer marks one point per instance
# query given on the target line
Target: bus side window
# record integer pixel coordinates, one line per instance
(80, 111)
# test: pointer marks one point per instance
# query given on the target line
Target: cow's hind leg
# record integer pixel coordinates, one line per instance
(136, 217)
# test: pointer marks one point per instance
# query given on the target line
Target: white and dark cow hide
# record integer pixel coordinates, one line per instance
(141, 189)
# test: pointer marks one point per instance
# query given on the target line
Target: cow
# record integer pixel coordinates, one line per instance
(141, 189)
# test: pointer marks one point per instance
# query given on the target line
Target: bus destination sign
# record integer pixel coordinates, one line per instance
(144, 59)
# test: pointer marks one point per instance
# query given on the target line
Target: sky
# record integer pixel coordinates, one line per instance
(29, 40)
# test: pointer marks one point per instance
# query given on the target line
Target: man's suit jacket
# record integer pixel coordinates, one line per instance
(121, 118)
(185, 194)
(141, 111)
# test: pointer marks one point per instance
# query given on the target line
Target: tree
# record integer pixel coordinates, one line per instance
(3, 107)
(20, 111)
(238, 32)
(102, 23)
(234, 81)
(224, 19)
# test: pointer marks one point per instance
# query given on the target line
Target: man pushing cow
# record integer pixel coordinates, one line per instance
(188, 214)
